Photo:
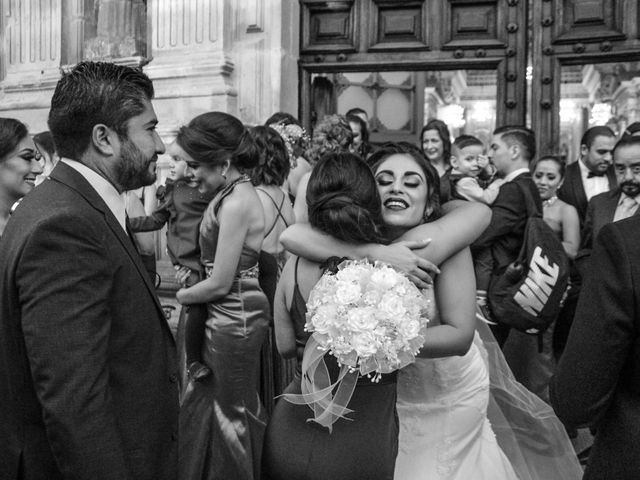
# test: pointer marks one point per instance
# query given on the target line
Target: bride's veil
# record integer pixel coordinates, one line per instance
(527, 429)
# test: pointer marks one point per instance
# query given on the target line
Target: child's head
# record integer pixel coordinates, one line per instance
(466, 155)
(178, 165)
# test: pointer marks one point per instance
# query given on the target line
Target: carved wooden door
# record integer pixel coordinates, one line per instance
(392, 50)
(570, 33)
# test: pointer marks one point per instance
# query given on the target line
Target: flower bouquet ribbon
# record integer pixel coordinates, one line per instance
(372, 319)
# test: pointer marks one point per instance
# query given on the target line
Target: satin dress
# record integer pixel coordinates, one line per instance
(363, 447)
(222, 420)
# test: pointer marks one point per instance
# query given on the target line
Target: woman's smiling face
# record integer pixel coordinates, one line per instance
(403, 191)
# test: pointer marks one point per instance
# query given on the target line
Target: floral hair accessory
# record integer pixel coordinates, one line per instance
(372, 319)
(293, 135)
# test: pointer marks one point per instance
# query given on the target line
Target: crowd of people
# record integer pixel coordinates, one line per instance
(95, 385)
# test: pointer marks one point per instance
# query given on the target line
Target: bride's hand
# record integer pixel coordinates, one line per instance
(401, 256)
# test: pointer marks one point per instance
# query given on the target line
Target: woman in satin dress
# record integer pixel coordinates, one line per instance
(222, 420)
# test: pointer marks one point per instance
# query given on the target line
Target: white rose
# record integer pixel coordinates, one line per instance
(347, 293)
(408, 328)
(364, 343)
(385, 278)
(323, 318)
(372, 297)
(392, 305)
(362, 319)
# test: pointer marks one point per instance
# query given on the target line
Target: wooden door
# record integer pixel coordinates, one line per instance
(570, 33)
(413, 39)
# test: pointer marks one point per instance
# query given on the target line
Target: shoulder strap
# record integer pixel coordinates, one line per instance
(278, 211)
(295, 272)
(529, 201)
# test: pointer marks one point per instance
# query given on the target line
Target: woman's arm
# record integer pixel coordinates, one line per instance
(570, 230)
(300, 205)
(455, 293)
(462, 223)
(234, 219)
(305, 241)
(284, 331)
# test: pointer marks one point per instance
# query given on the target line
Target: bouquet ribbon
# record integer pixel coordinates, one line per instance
(317, 389)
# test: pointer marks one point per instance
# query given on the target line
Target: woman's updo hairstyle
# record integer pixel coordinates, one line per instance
(331, 135)
(430, 173)
(12, 132)
(215, 137)
(273, 164)
(343, 199)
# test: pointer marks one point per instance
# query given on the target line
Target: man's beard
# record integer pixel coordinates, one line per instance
(132, 170)
(630, 188)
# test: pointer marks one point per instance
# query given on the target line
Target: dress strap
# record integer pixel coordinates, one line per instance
(279, 214)
(226, 191)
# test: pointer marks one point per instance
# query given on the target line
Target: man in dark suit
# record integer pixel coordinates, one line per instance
(616, 204)
(511, 150)
(592, 174)
(87, 362)
(597, 382)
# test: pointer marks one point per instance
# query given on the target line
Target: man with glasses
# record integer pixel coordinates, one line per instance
(616, 204)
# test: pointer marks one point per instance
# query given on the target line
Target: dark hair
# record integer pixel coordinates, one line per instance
(273, 159)
(356, 111)
(44, 140)
(364, 131)
(12, 132)
(343, 199)
(632, 129)
(562, 166)
(212, 138)
(464, 141)
(598, 131)
(443, 132)
(626, 141)
(523, 136)
(283, 118)
(431, 174)
(331, 135)
(94, 93)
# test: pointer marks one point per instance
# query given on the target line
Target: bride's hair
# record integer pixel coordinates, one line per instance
(343, 199)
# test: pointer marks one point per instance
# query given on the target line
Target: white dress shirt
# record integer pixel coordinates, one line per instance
(594, 185)
(104, 188)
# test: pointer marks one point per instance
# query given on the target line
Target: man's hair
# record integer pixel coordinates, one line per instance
(598, 131)
(521, 135)
(356, 111)
(627, 141)
(464, 141)
(12, 132)
(95, 93)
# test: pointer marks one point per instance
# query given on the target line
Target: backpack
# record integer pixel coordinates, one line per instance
(528, 296)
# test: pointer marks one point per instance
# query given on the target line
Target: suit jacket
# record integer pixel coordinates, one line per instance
(572, 189)
(88, 368)
(505, 233)
(600, 212)
(598, 379)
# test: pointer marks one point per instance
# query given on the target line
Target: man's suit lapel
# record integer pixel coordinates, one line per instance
(70, 177)
(578, 187)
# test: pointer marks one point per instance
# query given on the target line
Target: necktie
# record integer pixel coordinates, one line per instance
(592, 174)
(625, 209)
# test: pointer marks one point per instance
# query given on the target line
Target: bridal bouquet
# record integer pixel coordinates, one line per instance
(369, 316)
(372, 319)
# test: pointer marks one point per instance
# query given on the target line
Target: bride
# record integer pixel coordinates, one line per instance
(451, 402)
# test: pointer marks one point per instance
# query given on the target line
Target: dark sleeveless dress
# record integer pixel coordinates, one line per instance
(364, 447)
(222, 420)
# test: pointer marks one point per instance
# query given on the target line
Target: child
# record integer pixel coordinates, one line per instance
(181, 206)
(468, 164)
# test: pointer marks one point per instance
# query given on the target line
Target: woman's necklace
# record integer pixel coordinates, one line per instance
(550, 201)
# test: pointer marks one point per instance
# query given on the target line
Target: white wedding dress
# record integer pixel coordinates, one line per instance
(451, 408)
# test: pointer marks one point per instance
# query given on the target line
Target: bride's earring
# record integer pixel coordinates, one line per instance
(223, 174)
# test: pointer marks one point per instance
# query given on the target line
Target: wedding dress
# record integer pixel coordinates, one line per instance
(466, 417)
